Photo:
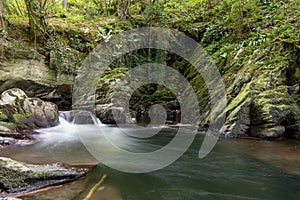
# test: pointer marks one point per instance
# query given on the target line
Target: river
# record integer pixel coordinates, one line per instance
(235, 169)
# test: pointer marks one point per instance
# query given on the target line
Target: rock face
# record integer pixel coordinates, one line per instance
(21, 112)
(27, 70)
(262, 93)
(110, 100)
(263, 98)
(16, 177)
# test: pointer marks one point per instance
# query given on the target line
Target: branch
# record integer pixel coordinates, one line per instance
(92, 191)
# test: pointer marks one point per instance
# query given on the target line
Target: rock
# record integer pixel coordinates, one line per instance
(37, 80)
(262, 100)
(27, 113)
(3, 129)
(79, 117)
(10, 53)
(5, 141)
(16, 177)
(113, 93)
(109, 114)
(267, 132)
(277, 112)
(239, 119)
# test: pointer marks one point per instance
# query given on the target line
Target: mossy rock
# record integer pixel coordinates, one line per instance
(26, 113)
(9, 125)
(3, 116)
(16, 177)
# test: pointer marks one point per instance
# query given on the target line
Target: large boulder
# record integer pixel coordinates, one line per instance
(275, 114)
(16, 177)
(26, 113)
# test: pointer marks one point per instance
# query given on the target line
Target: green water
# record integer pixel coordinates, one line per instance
(235, 169)
(227, 173)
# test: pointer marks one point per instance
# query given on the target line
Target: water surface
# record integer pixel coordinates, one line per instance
(235, 169)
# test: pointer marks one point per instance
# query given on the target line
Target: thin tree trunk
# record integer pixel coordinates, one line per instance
(65, 4)
(37, 22)
(2, 17)
(106, 7)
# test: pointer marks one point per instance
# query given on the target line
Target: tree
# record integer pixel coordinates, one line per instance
(65, 4)
(3, 22)
(36, 15)
(123, 8)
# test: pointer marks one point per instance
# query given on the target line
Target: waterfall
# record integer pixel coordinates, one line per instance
(78, 117)
(70, 122)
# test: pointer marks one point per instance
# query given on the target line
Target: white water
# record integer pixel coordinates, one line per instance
(67, 130)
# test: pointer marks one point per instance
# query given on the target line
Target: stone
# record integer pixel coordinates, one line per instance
(109, 114)
(27, 113)
(267, 132)
(16, 177)
(37, 80)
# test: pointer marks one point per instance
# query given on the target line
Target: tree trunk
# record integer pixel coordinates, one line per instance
(37, 22)
(123, 8)
(65, 4)
(3, 23)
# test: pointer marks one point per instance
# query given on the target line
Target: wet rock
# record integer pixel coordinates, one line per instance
(27, 113)
(16, 177)
(267, 131)
(274, 114)
(79, 117)
(109, 114)
(5, 141)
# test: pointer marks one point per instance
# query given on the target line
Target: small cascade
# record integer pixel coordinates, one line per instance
(70, 122)
(78, 117)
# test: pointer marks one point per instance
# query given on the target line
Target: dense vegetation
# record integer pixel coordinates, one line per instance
(255, 44)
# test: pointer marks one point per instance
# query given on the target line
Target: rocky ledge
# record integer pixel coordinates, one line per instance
(17, 177)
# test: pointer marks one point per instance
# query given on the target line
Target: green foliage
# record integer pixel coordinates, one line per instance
(214, 32)
(62, 58)
(258, 39)
(153, 13)
(16, 7)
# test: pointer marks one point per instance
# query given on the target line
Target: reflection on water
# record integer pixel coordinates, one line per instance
(236, 169)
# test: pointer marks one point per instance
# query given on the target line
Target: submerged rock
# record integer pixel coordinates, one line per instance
(18, 177)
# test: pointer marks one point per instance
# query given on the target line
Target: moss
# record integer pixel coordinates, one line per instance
(296, 76)
(239, 99)
(18, 119)
(276, 106)
(3, 116)
(18, 177)
(9, 125)
(111, 75)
